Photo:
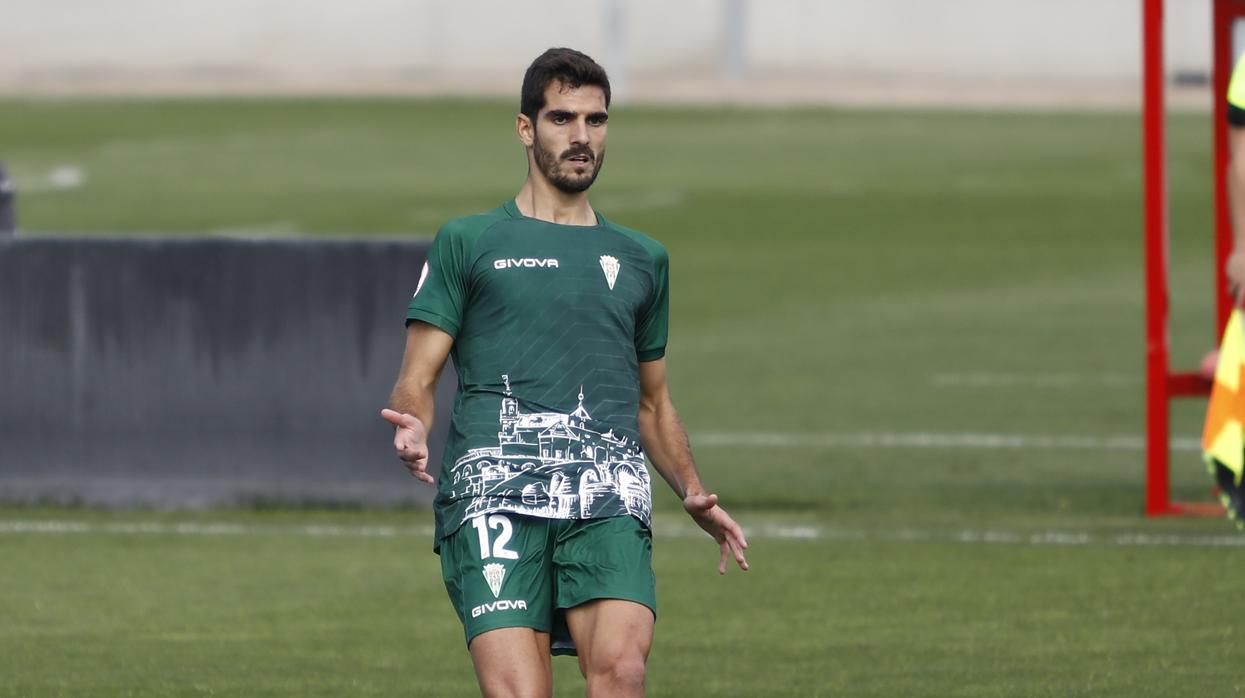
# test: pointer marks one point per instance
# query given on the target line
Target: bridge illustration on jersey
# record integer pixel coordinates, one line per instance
(553, 465)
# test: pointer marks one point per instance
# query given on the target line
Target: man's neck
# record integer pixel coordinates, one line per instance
(540, 200)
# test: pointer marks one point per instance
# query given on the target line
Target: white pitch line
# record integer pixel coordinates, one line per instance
(769, 531)
(189, 528)
(60, 178)
(987, 379)
(649, 199)
(948, 440)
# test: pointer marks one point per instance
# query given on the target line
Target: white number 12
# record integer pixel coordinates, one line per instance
(499, 545)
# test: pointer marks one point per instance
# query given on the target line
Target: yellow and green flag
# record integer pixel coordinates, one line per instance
(1223, 437)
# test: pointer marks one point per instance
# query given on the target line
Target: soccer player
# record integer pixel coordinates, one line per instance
(557, 322)
(1231, 485)
(1236, 180)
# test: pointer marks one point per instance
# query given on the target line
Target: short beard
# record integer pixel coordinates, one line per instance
(550, 166)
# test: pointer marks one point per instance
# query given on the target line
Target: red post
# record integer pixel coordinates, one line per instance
(1157, 349)
(1221, 70)
(1162, 385)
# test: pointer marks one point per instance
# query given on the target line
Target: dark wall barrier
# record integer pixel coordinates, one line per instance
(204, 372)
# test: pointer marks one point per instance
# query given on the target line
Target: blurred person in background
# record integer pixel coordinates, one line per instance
(557, 322)
(8, 213)
(1227, 465)
(1236, 180)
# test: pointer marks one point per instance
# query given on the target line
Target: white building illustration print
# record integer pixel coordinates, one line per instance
(552, 465)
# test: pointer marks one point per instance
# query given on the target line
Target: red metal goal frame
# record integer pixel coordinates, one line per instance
(1162, 385)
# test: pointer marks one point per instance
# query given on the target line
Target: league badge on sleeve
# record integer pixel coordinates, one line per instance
(423, 276)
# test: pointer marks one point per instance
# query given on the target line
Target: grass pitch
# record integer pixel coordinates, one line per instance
(908, 347)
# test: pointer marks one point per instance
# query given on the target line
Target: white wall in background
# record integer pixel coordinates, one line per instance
(327, 41)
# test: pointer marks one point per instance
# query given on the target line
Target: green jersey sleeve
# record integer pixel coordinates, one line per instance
(652, 327)
(441, 295)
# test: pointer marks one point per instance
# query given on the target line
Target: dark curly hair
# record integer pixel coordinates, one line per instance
(565, 65)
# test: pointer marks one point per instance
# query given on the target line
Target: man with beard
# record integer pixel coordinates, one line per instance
(557, 322)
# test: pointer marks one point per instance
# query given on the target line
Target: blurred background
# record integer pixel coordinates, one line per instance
(793, 51)
(907, 339)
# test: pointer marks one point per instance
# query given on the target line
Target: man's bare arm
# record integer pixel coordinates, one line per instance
(665, 441)
(412, 402)
(1236, 206)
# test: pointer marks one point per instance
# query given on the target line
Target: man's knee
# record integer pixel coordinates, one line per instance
(524, 684)
(496, 690)
(512, 663)
(624, 672)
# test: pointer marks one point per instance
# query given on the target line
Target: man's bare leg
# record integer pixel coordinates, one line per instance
(613, 638)
(513, 663)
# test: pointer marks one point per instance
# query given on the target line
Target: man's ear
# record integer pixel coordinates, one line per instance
(525, 130)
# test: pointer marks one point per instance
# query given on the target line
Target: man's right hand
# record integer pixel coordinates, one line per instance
(717, 523)
(1235, 269)
(410, 439)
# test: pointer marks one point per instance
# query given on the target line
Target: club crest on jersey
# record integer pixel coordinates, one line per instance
(494, 573)
(610, 266)
(526, 262)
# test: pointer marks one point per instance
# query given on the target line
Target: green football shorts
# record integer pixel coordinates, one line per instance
(507, 570)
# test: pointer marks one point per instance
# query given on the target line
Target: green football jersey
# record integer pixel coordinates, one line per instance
(550, 323)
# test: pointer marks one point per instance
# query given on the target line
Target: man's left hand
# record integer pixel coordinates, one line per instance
(717, 523)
